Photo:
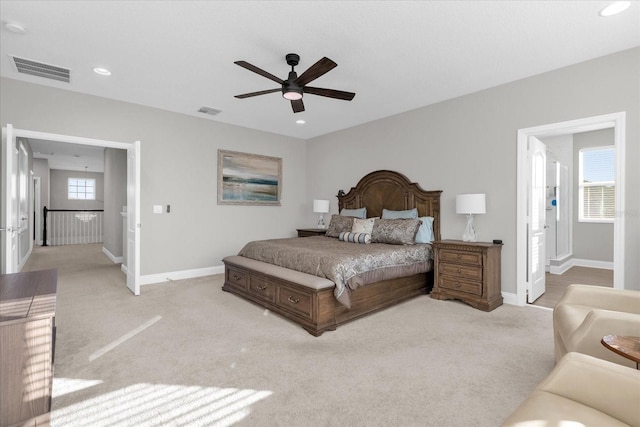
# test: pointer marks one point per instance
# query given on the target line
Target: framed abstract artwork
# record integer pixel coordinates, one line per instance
(248, 179)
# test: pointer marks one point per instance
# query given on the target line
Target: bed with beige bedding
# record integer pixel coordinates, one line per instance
(322, 282)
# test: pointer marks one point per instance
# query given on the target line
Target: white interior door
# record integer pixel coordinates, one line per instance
(9, 217)
(133, 218)
(24, 205)
(537, 219)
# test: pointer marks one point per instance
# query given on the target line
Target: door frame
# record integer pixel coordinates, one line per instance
(617, 122)
(133, 181)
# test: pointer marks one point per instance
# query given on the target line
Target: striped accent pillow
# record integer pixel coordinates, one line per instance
(347, 236)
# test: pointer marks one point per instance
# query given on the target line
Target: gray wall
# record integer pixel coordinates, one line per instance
(115, 197)
(468, 145)
(60, 196)
(591, 241)
(178, 167)
(41, 169)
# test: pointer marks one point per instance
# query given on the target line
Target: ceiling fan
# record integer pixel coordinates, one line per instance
(294, 87)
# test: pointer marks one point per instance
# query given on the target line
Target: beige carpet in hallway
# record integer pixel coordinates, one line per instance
(187, 353)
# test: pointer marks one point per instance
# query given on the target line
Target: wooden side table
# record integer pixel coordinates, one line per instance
(308, 232)
(469, 272)
(627, 347)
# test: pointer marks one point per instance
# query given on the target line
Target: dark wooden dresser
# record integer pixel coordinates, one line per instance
(307, 232)
(27, 337)
(469, 272)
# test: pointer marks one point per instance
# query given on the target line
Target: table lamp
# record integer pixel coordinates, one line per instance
(321, 207)
(470, 204)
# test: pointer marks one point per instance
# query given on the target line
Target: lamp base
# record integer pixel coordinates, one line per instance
(469, 232)
(321, 223)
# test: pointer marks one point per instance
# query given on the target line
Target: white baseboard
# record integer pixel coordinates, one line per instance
(149, 279)
(562, 268)
(577, 262)
(112, 257)
(509, 298)
(606, 265)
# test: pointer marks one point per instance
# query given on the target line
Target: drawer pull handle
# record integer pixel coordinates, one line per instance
(261, 287)
(459, 256)
(293, 300)
(459, 271)
(236, 276)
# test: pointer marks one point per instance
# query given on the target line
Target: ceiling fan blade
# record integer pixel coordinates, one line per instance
(262, 92)
(263, 73)
(330, 93)
(297, 105)
(316, 70)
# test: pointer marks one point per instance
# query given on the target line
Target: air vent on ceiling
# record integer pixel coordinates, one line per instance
(35, 68)
(210, 111)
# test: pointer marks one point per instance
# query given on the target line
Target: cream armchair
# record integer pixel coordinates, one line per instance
(582, 391)
(587, 313)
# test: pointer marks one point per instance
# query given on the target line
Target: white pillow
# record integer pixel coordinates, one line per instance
(362, 225)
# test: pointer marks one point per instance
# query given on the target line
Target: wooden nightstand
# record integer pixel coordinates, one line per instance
(468, 271)
(307, 232)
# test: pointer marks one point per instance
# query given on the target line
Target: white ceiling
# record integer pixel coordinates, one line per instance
(65, 156)
(396, 56)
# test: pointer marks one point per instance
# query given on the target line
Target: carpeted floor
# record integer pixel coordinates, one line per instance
(187, 353)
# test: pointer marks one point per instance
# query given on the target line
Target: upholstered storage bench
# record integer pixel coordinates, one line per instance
(308, 300)
(295, 295)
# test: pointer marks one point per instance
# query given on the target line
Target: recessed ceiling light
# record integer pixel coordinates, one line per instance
(14, 27)
(615, 8)
(300, 122)
(102, 71)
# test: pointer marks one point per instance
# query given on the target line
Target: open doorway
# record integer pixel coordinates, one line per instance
(11, 138)
(527, 263)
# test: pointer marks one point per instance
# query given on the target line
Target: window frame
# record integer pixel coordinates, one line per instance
(84, 180)
(582, 185)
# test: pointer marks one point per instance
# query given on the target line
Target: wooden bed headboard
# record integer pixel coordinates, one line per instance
(385, 189)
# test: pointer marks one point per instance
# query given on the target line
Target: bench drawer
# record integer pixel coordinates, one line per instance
(237, 278)
(295, 301)
(262, 288)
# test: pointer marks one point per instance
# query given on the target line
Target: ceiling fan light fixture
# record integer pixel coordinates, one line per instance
(292, 93)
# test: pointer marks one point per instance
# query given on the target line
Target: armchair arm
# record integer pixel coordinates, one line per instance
(598, 384)
(598, 323)
(601, 297)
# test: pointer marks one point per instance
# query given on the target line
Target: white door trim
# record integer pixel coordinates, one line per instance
(97, 143)
(617, 122)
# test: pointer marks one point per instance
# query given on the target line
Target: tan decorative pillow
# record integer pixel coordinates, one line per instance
(362, 225)
(395, 231)
(339, 224)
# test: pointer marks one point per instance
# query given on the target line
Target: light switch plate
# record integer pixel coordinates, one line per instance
(157, 209)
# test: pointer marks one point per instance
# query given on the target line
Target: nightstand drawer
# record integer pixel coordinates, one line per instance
(295, 301)
(461, 285)
(461, 270)
(237, 278)
(448, 255)
(262, 288)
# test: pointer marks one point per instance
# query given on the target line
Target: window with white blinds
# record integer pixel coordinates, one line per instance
(597, 188)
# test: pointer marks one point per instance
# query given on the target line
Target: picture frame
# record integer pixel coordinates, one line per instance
(249, 179)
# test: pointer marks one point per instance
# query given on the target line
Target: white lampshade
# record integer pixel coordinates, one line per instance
(470, 204)
(321, 206)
